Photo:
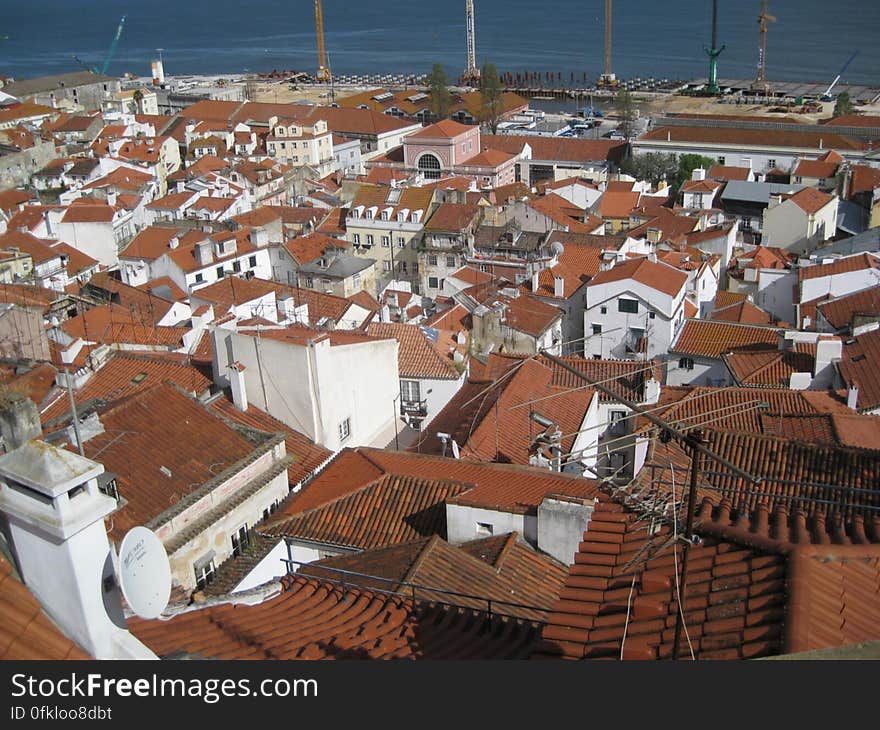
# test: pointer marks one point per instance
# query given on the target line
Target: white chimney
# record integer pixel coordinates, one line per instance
(55, 513)
(698, 174)
(652, 390)
(204, 254)
(174, 242)
(852, 397)
(535, 276)
(826, 352)
(111, 197)
(558, 287)
(239, 389)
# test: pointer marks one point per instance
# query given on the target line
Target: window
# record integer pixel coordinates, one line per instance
(604, 310)
(219, 272)
(450, 262)
(771, 163)
(199, 278)
(386, 241)
(236, 266)
(386, 266)
(356, 239)
(617, 423)
(410, 392)
(204, 570)
(630, 306)
(432, 260)
(415, 268)
(401, 242)
(432, 282)
(401, 267)
(345, 429)
(310, 282)
(597, 329)
(356, 280)
(721, 160)
(429, 166)
(369, 239)
(652, 315)
(240, 540)
(253, 262)
(484, 529)
(686, 363)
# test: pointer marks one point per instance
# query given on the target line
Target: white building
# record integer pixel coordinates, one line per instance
(338, 388)
(800, 222)
(634, 309)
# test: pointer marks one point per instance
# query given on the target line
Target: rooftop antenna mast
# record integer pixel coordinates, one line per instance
(714, 51)
(323, 74)
(472, 72)
(764, 19)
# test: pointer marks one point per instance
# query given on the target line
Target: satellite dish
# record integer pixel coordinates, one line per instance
(455, 452)
(144, 572)
(557, 249)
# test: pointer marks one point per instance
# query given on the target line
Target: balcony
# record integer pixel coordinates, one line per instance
(416, 409)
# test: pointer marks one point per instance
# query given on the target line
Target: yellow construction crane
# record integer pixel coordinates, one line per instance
(323, 69)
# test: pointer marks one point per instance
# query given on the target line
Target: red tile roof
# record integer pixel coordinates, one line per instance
(656, 275)
(811, 200)
(728, 298)
(558, 148)
(26, 631)
(490, 422)
(125, 374)
(865, 179)
(860, 366)
(307, 455)
(820, 139)
(710, 339)
(504, 568)
(453, 217)
(727, 172)
(444, 129)
(150, 243)
(770, 368)
(88, 213)
(314, 619)
(306, 249)
(417, 356)
(841, 311)
(232, 291)
(389, 511)
(859, 262)
(750, 592)
(161, 427)
(743, 312)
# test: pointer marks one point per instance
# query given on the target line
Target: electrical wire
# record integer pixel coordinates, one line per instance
(675, 563)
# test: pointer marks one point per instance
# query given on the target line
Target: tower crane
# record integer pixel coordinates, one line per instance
(110, 53)
(764, 19)
(323, 68)
(472, 72)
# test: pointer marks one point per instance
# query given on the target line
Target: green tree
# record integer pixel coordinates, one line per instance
(627, 112)
(440, 104)
(492, 97)
(686, 166)
(843, 105)
(654, 167)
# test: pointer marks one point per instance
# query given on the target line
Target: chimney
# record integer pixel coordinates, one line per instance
(698, 174)
(48, 223)
(203, 253)
(852, 397)
(55, 512)
(558, 287)
(827, 351)
(19, 420)
(535, 275)
(239, 389)
(174, 242)
(652, 390)
(111, 197)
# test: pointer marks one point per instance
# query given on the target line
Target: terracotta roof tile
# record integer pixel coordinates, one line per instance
(769, 368)
(125, 374)
(26, 631)
(842, 311)
(452, 217)
(860, 366)
(417, 356)
(161, 427)
(859, 262)
(314, 619)
(655, 275)
(519, 581)
(232, 291)
(391, 510)
(558, 148)
(743, 312)
(710, 339)
(762, 137)
(728, 172)
(811, 200)
(307, 455)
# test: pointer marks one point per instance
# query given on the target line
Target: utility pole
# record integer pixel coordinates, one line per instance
(714, 51)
